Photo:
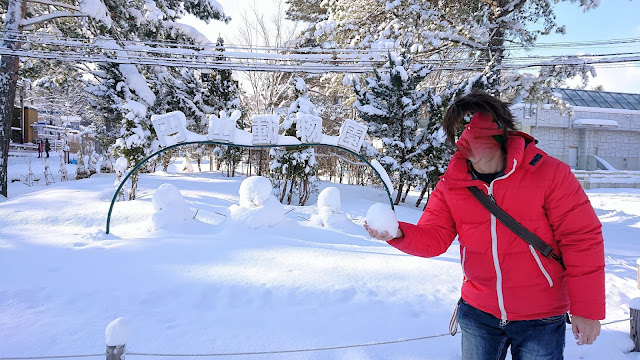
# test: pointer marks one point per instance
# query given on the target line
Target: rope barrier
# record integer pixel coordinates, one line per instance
(287, 351)
(53, 357)
(255, 352)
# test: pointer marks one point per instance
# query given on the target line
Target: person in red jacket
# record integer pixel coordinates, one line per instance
(512, 296)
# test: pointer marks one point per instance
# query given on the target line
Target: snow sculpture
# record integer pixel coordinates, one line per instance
(258, 207)
(171, 128)
(265, 129)
(352, 135)
(255, 191)
(329, 200)
(223, 128)
(309, 128)
(169, 207)
(380, 217)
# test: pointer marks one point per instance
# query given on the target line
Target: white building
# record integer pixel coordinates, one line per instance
(601, 132)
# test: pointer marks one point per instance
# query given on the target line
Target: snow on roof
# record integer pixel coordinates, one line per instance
(595, 122)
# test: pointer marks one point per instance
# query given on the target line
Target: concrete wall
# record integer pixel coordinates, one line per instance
(556, 134)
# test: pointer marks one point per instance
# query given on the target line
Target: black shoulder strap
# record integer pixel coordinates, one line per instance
(515, 226)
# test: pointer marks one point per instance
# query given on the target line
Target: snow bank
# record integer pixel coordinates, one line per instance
(169, 207)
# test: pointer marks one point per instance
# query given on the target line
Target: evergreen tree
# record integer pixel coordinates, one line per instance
(391, 105)
(294, 169)
(222, 93)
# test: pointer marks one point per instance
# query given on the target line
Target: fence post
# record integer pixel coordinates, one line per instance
(117, 335)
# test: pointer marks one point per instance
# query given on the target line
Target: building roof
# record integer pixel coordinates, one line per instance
(600, 99)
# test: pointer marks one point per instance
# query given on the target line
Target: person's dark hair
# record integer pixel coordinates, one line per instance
(476, 101)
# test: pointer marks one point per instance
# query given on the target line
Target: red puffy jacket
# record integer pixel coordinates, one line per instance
(503, 275)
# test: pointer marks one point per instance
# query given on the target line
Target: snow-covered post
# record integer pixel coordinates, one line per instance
(117, 334)
(634, 309)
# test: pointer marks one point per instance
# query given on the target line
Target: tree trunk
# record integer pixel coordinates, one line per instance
(8, 80)
(400, 188)
(404, 198)
(424, 191)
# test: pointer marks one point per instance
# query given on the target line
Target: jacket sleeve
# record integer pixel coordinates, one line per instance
(434, 232)
(578, 232)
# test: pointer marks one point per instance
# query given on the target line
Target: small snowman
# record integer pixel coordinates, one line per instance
(329, 215)
(169, 208)
(258, 207)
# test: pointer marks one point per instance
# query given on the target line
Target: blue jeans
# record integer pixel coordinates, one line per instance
(484, 338)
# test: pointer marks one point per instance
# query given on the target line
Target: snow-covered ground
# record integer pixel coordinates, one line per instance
(217, 286)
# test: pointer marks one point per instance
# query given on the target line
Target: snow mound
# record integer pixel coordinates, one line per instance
(382, 218)
(117, 332)
(268, 214)
(329, 200)
(169, 207)
(255, 191)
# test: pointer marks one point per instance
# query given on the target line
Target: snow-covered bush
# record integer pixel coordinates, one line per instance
(81, 171)
(169, 208)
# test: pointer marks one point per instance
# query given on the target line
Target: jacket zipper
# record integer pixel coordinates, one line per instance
(494, 249)
(544, 271)
(464, 258)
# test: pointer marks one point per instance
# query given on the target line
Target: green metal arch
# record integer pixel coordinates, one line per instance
(115, 196)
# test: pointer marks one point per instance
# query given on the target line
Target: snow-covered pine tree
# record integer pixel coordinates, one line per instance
(456, 34)
(222, 93)
(391, 105)
(132, 92)
(293, 169)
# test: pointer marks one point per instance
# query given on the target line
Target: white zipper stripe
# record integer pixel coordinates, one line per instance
(544, 271)
(494, 248)
(464, 257)
(496, 265)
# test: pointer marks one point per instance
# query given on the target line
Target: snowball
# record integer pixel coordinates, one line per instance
(255, 191)
(329, 200)
(169, 208)
(117, 332)
(380, 217)
(270, 213)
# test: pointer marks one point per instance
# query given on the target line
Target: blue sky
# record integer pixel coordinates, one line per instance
(612, 19)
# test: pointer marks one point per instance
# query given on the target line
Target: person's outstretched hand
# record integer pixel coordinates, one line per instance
(585, 330)
(384, 235)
